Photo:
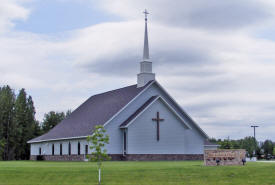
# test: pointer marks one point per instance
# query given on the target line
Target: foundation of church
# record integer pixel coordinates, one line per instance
(128, 157)
(162, 157)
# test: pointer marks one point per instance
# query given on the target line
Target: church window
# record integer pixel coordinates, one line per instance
(60, 148)
(39, 150)
(86, 149)
(69, 148)
(53, 149)
(78, 148)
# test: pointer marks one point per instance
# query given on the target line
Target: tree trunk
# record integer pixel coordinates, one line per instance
(99, 177)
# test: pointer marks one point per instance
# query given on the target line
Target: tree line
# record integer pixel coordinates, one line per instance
(261, 150)
(18, 124)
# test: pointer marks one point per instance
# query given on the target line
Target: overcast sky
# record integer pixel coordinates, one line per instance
(216, 58)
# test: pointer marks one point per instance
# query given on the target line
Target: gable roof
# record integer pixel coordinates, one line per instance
(100, 109)
(146, 105)
(97, 110)
(181, 109)
(138, 111)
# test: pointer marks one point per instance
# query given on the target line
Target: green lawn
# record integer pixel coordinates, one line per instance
(134, 173)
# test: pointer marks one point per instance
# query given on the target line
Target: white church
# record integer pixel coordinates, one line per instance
(143, 122)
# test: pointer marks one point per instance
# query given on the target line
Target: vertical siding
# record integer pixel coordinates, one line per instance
(46, 147)
(193, 144)
(142, 133)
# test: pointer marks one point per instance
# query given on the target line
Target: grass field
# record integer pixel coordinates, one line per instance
(134, 173)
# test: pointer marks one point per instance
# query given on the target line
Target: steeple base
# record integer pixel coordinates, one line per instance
(144, 78)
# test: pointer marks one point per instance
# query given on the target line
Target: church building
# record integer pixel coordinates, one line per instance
(142, 120)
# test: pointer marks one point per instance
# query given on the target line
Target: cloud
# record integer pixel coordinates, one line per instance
(220, 73)
(211, 14)
(11, 10)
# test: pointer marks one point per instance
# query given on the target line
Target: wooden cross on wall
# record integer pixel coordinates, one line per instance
(158, 120)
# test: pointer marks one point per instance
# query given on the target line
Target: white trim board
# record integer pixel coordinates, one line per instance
(67, 138)
(127, 104)
(182, 110)
(167, 104)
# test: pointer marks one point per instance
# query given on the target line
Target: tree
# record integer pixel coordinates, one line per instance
(98, 140)
(225, 144)
(2, 149)
(25, 120)
(274, 151)
(7, 99)
(267, 147)
(51, 119)
(17, 124)
(249, 143)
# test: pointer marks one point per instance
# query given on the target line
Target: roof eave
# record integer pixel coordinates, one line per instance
(183, 110)
(57, 139)
(107, 122)
(166, 103)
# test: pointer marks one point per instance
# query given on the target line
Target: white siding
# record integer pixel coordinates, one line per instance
(46, 147)
(194, 139)
(174, 137)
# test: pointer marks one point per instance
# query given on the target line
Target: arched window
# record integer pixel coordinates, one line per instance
(53, 149)
(78, 148)
(69, 149)
(60, 148)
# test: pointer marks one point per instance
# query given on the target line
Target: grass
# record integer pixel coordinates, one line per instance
(134, 173)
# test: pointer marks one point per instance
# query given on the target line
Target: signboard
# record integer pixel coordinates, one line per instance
(224, 157)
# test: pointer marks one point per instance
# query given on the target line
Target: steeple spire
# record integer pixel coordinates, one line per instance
(146, 46)
(145, 74)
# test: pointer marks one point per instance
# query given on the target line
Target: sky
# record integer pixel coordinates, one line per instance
(216, 58)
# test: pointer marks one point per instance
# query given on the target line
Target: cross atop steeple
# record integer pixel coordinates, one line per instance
(146, 13)
(145, 74)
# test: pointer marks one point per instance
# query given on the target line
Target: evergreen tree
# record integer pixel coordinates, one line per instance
(68, 113)
(7, 99)
(17, 124)
(31, 125)
(51, 119)
(25, 123)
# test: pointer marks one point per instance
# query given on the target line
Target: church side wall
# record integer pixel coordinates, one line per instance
(193, 141)
(46, 147)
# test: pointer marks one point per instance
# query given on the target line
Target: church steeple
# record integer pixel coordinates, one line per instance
(145, 74)
(146, 46)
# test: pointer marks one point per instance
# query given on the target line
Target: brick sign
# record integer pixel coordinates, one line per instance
(224, 157)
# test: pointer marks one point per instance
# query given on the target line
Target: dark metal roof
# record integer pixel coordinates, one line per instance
(139, 110)
(97, 110)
